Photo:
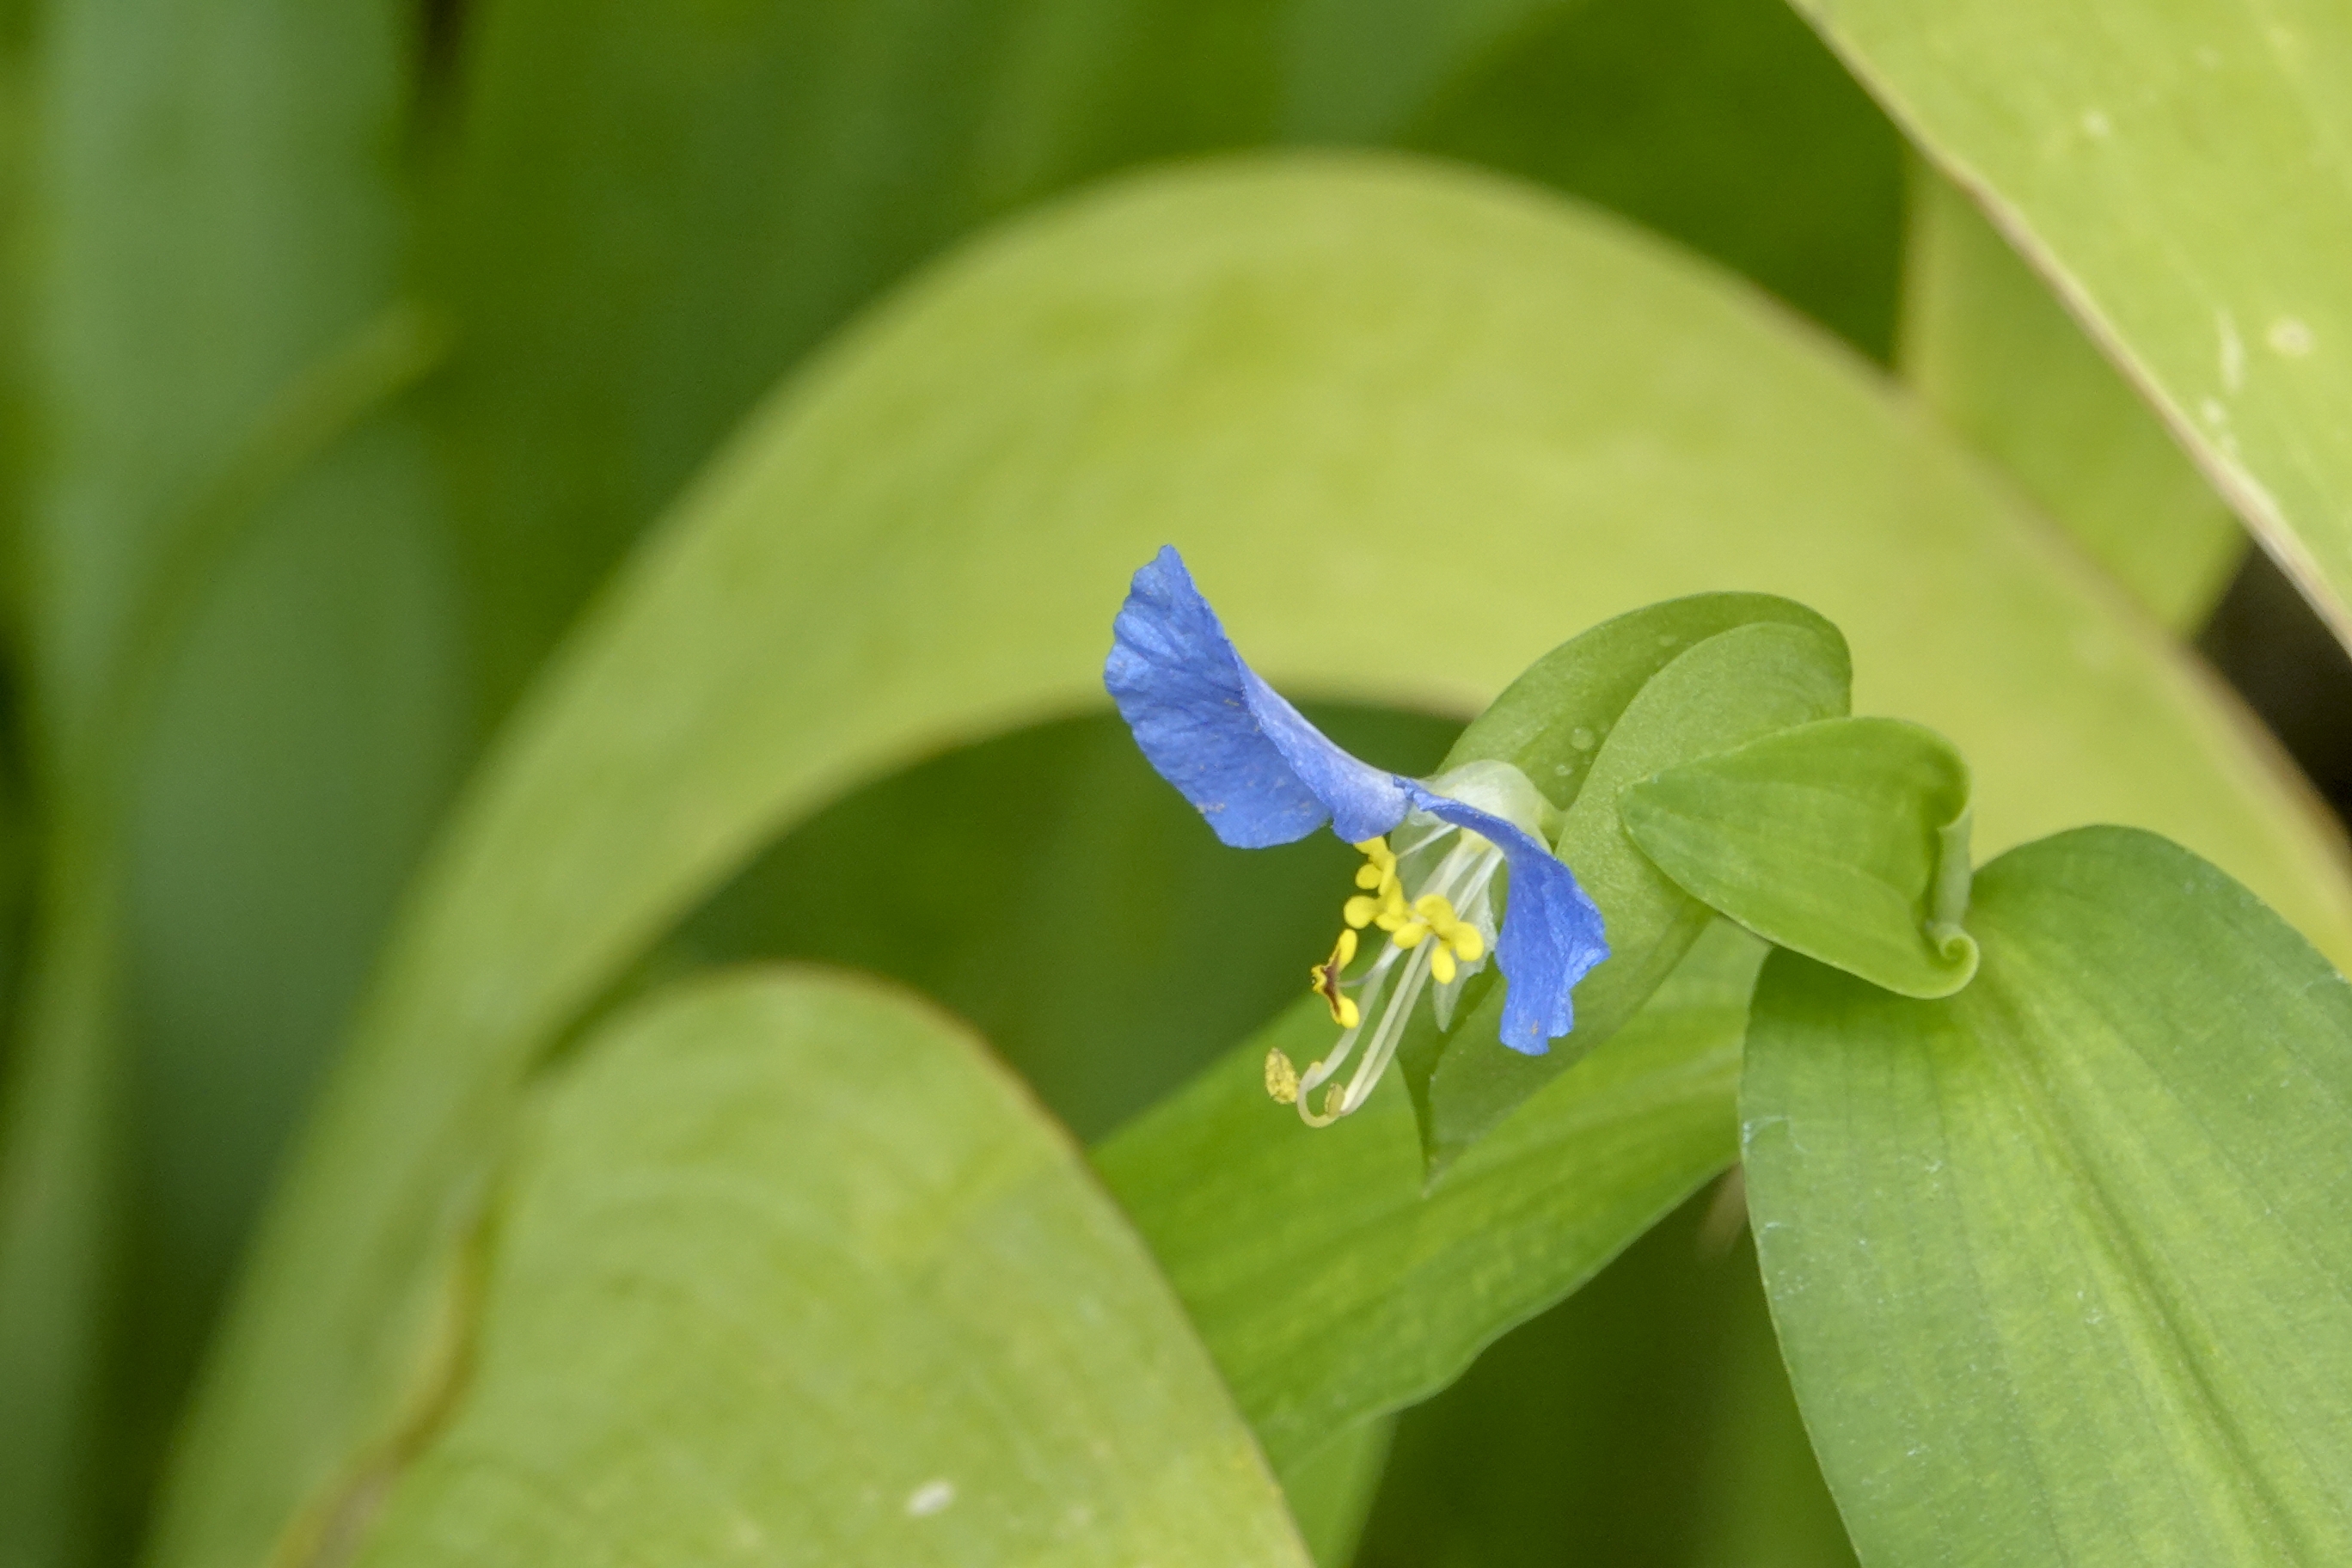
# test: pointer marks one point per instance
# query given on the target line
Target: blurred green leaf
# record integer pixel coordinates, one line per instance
(1411, 429)
(1846, 841)
(213, 237)
(785, 1268)
(641, 216)
(2002, 362)
(1334, 1285)
(1785, 667)
(1645, 1422)
(2060, 1262)
(2179, 175)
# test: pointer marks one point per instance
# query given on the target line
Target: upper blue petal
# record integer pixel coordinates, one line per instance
(1551, 931)
(1252, 763)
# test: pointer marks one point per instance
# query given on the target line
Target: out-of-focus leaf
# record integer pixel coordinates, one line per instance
(2179, 176)
(1718, 693)
(1334, 1285)
(1411, 429)
(1051, 889)
(213, 232)
(787, 1270)
(644, 213)
(2061, 1262)
(1721, 123)
(1847, 840)
(1645, 1422)
(1999, 358)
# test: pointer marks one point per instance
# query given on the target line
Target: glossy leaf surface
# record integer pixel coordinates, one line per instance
(1846, 841)
(2060, 1262)
(924, 539)
(787, 1267)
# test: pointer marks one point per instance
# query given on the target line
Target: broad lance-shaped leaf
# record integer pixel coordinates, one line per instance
(1333, 1284)
(787, 1268)
(1488, 419)
(1786, 667)
(2179, 173)
(2061, 1262)
(1998, 358)
(1846, 841)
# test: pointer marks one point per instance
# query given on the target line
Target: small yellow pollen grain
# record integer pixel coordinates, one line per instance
(1281, 1077)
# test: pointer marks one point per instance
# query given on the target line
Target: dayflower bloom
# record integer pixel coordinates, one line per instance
(1436, 850)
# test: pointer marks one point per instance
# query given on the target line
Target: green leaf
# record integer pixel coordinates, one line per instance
(1846, 841)
(628, 278)
(2060, 1262)
(2000, 361)
(2208, 263)
(786, 1267)
(1333, 1286)
(1409, 426)
(1789, 668)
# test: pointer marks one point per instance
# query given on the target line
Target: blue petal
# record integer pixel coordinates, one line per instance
(1551, 931)
(1251, 764)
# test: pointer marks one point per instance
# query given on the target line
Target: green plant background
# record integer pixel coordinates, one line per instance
(523, 513)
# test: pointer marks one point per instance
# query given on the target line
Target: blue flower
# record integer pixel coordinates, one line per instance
(1262, 774)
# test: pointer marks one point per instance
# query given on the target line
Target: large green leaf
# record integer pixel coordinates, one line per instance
(1410, 427)
(2061, 1262)
(787, 1268)
(644, 213)
(213, 237)
(1999, 360)
(2179, 174)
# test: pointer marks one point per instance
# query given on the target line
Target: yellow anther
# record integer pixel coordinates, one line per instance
(1469, 946)
(1409, 933)
(1440, 964)
(1324, 981)
(1281, 1077)
(1437, 910)
(1369, 877)
(1359, 910)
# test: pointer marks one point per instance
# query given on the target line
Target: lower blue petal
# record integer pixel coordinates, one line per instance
(1245, 758)
(1551, 933)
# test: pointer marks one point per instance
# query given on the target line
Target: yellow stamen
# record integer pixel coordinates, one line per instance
(1359, 910)
(1440, 964)
(1324, 981)
(1281, 1077)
